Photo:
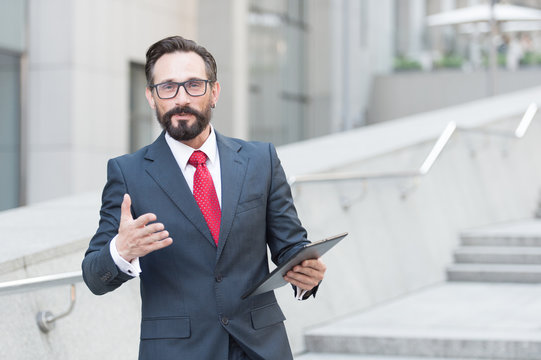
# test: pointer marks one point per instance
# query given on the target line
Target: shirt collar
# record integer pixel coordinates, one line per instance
(182, 152)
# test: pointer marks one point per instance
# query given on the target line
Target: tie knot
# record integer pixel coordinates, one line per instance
(198, 157)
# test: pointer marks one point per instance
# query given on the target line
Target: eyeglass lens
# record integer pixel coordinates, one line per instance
(170, 89)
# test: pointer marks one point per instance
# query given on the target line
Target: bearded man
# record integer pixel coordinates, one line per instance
(192, 215)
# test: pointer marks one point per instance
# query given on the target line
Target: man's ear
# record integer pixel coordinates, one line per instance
(150, 98)
(215, 93)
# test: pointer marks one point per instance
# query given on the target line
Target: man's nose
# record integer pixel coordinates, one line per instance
(182, 97)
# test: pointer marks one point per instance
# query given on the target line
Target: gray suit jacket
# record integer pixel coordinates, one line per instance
(191, 291)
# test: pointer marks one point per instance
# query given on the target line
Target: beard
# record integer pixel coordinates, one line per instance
(183, 131)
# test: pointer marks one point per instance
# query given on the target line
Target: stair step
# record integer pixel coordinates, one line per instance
(495, 273)
(337, 356)
(518, 233)
(435, 344)
(500, 240)
(498, 255)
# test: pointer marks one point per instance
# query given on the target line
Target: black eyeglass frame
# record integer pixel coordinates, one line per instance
(179, 84)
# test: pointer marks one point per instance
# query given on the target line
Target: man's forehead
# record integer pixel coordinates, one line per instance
(179, 65)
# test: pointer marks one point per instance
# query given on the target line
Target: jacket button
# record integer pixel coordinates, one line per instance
(218, 278)
(225, 320)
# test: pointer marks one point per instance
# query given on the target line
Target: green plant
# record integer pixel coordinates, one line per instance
(531, 58)
(403, 63)
(450, 61)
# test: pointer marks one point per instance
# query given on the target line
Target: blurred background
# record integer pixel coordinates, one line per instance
(73, 78)
(356, 94)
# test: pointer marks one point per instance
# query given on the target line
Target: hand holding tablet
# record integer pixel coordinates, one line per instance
(275, 279)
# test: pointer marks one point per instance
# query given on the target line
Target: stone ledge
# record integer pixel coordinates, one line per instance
(39, 232)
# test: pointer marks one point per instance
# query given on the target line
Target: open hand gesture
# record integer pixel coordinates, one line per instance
(136, 237)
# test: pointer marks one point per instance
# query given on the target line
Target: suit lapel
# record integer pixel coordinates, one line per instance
(163, 168)
(233, 171)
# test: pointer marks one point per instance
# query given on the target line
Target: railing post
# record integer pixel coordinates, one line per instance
(46, 319)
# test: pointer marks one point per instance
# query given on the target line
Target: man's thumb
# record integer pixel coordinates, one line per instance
(125, 212)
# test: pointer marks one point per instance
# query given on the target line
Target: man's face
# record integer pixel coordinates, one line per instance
(184, 117)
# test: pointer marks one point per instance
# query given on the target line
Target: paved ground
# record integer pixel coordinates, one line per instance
(478, 309)
(452, 310)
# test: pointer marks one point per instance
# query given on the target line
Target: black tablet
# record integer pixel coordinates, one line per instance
(275, 279)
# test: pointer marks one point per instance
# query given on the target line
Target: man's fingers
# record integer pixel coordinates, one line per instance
(157, 236)
(144, 219)
(312, 268)
(316, 264)
(157, 245)
(152, 228)
(147, 245)
(125, 213)
(307, 275)
(306, 271)
(302, 281)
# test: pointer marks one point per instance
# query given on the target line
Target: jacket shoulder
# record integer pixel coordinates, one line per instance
(142, 153)
(245, 145)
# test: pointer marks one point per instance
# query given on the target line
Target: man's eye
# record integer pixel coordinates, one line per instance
(194, 84)
(167, 87)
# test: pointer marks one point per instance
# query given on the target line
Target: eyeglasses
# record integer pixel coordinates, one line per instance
(169, 89)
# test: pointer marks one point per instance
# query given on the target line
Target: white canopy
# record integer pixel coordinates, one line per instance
(482, 13)
(506, 27)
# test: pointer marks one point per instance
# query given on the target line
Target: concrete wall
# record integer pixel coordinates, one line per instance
(402, 94)
(396, 246)
(49, 238)
(77, 85)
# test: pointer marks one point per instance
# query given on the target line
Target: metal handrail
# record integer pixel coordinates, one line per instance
(40, 282)
(429, 161)
(45, 319)
(520, 130)
(425, 167)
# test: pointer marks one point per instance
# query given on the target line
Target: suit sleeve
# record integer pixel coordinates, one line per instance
(100, 273)
(285, 233)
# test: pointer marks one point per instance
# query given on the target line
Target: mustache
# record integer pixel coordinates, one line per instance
(179, 110)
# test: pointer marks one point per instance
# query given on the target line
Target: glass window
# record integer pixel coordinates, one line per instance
(9, 130)
(278, 94)
(12, 25)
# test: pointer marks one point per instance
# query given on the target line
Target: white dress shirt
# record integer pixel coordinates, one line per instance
(181, 153)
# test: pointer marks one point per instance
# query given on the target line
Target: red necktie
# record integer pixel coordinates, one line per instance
(205, 193)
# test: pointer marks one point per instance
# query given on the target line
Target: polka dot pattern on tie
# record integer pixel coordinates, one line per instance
(204, 193)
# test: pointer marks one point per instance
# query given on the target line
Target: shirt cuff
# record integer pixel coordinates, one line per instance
(131, 268)
(300, 293)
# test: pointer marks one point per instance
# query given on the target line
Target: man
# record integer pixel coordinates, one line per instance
(192, 214)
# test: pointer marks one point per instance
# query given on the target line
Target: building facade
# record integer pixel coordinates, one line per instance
(71, 89)
(73, 78)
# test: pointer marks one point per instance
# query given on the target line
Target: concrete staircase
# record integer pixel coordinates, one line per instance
(490, 308)
(503, 253)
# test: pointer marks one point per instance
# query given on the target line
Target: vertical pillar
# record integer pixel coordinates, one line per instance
(417, 14)
(230, 50)
(240, 68)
